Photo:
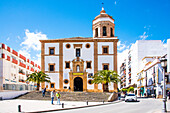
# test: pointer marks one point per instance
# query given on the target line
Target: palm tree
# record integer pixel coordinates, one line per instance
(38, 77)
(105, 77)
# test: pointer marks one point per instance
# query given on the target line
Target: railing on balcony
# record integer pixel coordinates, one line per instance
(14, 61)
(22, 65)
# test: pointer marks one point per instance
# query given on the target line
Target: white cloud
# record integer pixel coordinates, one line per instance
(8, 39)
(32, 40)
(121, 46)
(31, 44)
(144, 36)
(115, 2)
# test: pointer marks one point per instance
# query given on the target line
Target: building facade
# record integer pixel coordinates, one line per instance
(150, 77)
(139, 50)
(72, 62)
(14, 69)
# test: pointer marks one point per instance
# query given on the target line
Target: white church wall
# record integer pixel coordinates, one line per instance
(54, 77)
(47, 45)
(110, 44)
(52, 59)
(105, 59)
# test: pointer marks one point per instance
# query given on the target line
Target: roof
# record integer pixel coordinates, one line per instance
(103, 14)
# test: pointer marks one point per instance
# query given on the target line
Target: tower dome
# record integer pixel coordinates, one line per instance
(103, 25)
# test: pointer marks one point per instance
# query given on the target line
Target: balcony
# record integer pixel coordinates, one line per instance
(22, 65)
(14, 61)
(32, 69)
(22, 57)
(32, 63)
(14, 52)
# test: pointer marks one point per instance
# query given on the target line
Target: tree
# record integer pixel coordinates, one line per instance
(131, 89)
(105, 77)
(38, 77)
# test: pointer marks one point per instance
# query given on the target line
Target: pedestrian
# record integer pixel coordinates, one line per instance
(69, 89)
(52, 96)
(58, 97)
(43, 93)
(119, 95)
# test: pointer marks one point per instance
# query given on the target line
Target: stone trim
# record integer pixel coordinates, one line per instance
(80, 40)
(51, 71)
(61, 66)
(67, 46)
(103, 50)
(52, 83)
(77, 45)
(49, 67)
(51, 55)
(84, 78)
(65, 80)
(105, 64)
(42, 62)
(95, 62)
(51, 48)
(87, 45)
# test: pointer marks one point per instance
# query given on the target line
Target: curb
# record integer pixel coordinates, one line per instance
(75, 107)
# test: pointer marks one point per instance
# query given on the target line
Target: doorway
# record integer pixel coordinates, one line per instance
(78, 84)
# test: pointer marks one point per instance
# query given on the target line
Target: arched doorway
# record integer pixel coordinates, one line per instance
(78, 84)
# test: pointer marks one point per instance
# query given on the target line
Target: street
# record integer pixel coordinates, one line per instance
(143, 106)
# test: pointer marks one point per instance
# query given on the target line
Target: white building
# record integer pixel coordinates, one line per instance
(139, 50)
(71, 62)
(14, 69)
(150, 77)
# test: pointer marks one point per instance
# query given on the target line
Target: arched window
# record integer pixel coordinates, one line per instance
(96, 32)
(104, 31)
(78, 68)
(111, 32)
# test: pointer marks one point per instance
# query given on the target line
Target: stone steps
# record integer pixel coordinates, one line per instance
(68, 96)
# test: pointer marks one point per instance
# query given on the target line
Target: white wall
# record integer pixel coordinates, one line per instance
(54, 78)
(47, 45)
(52, 59)
(105, 59)
(110, 44)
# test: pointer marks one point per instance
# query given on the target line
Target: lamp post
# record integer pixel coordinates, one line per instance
(164, 64)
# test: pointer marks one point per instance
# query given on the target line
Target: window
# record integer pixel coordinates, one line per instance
(52, 85)
(105, 66)
(105, 49)
(90, 82)
(87, 45)
(67, 63)
(51, 66)
(111, 32)
(78, 68)
(51, 50)
(66, 81)
(68, 46)
(78, 52)
(104, 31)
(88, 64)
(96, 32)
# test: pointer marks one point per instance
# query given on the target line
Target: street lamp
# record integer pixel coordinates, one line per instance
(164, 64)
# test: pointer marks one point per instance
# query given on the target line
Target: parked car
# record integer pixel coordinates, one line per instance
(130, 97)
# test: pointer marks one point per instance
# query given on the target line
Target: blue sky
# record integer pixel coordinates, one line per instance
(24, 21)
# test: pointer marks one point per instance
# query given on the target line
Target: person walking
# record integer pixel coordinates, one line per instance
(58, 97)
(52, 96)
(43, 92)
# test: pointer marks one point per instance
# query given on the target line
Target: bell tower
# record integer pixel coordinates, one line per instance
(103, 25)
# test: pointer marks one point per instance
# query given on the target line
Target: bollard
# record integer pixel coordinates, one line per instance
(87, 102)
(19, 108)
(0, 98)
(103, 101)
(62, 105)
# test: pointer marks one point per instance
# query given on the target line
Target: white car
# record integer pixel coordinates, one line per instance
(130, 97)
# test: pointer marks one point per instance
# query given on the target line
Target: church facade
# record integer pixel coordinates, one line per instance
(72, 62)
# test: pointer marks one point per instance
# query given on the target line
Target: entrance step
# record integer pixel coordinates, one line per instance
(69, 96)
